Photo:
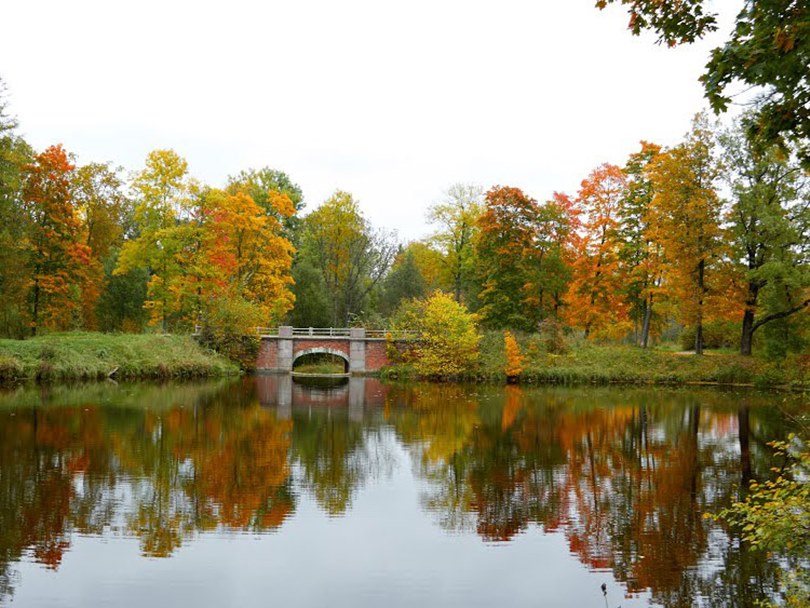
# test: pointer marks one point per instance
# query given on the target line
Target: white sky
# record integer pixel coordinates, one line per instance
(392, 101)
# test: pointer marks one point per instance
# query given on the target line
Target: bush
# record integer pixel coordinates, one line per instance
(552, 334)
(10, 368)
(230, 329)
(448, 343)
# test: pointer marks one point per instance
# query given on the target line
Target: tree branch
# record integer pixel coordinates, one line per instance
(780, 315)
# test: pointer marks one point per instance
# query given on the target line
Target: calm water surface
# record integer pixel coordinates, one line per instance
(267, 492)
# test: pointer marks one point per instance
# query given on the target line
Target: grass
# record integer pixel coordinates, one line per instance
(322, 367)
(588, 363)
(89, 356)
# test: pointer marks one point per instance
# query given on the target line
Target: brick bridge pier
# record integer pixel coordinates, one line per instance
(362, 350)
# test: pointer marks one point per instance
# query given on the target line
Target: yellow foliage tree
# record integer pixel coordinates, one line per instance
(514, 360)
(448, 343)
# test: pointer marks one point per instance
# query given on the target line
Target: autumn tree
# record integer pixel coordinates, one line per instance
(685, 222)
(14, 276)
(448, 336)
(351, 256)
(550, 260)
(640, 257)
(105, 212)
(431, 264)
(243, 255)
(456, 217)
(769, 227)
(514, 360)
(162, 203)
(263, 185)
(507, 234)
(59, 257)
(105, 209)
(593, 299)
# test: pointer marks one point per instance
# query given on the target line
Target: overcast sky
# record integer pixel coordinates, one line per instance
(392, 101)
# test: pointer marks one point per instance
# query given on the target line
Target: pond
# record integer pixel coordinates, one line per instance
(267, 491)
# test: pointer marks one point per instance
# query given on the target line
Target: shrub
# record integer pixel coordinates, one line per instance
(230, 329)
(514, 360)
(448, 343)
(552, 333)
(10, 368)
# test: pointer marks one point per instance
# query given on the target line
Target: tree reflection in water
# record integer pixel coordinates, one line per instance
(624, 475)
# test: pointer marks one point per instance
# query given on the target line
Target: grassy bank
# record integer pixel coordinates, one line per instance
(87, 356)
(582, 362)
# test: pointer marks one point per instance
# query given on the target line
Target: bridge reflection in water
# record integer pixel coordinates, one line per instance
(284, 392)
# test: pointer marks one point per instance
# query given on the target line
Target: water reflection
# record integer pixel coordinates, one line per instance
(623, 475)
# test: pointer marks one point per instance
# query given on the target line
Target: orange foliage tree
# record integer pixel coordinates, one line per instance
(243, 255)
(514, 360)
(61, 263)
(593, 300)
(685, 222)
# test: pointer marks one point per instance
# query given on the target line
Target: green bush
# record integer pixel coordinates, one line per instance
(230, 329)
(733, 374)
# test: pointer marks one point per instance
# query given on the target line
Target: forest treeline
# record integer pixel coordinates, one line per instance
(710, 233)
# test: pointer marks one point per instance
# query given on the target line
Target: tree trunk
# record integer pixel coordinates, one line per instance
(747, 332)
(747, 337)
(645, 326)
(35, 319)
(699, 324)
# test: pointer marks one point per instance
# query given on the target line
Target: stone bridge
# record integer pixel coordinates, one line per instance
(362, 350)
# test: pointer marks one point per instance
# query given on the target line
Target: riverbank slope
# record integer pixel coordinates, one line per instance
(90, 356)
(586, 363)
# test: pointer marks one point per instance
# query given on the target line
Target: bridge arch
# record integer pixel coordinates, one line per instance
(321, 350)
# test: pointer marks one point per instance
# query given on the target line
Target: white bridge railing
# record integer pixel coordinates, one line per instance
(339, 332)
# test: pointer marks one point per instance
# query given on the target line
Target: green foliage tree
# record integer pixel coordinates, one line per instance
(769, 229)
(457, 217)
(769, 49)
(120, 306)
(351, 256)
(312, 307)
(404, 282)
(14, 155)
(448, 341)
(507, 233)
(639, 256)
